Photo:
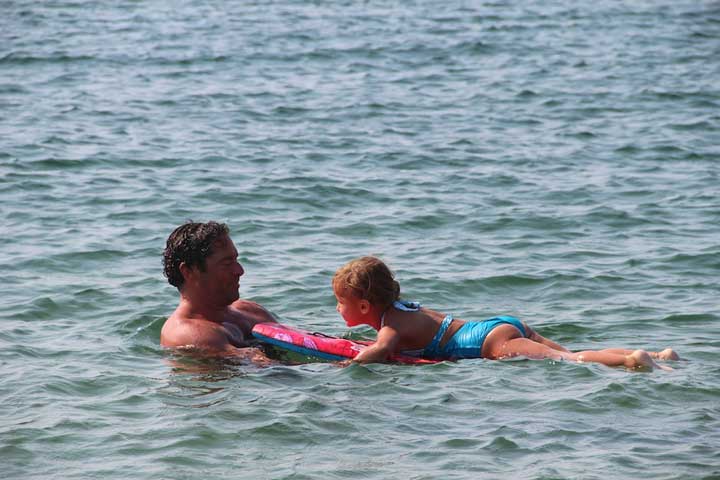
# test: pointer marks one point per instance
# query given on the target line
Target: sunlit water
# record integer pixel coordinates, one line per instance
(556, 161)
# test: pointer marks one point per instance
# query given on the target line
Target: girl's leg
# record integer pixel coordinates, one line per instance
(667, 354)
(496, 343)
(633, 359)
(536, 337)
(505, 341)
(523, 347)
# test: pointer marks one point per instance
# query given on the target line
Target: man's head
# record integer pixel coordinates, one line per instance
(191, 243)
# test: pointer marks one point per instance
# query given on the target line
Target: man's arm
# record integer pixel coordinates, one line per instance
(251, 314)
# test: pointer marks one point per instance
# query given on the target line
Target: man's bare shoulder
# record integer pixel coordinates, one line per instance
(255, 312)
(247, 306)
(192, 333)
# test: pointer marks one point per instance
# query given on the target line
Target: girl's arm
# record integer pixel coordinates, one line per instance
(387, 340)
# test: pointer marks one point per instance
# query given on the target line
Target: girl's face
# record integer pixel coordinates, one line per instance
(352, 309)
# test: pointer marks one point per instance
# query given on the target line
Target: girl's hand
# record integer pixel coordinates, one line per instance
(372, 354)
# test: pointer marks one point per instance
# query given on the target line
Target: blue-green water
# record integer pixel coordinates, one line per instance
(557, 161)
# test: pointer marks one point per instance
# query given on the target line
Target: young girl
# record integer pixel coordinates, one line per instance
(367, 294)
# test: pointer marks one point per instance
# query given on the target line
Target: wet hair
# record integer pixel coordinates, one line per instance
(367, 278)
(190, 243)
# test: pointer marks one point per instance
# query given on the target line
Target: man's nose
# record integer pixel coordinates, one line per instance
(239, 269)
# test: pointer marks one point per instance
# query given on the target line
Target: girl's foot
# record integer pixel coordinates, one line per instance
(642, 359)
(667, 354)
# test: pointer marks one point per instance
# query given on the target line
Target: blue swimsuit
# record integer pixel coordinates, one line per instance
(467, 341)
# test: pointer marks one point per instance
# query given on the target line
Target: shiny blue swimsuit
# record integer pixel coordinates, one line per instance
(467, 341)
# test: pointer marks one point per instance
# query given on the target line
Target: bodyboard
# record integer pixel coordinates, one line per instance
(319, 345)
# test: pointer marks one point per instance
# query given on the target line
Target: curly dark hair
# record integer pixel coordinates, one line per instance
(191, 243)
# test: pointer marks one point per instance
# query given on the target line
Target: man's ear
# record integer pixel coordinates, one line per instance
(185, 270)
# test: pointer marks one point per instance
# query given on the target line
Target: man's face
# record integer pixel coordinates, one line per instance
(221, 278)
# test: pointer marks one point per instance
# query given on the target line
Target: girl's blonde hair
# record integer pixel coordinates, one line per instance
(367, 278)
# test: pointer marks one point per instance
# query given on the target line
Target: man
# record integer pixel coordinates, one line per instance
(200, 260)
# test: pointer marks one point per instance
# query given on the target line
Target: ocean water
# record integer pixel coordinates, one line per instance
(558, 161)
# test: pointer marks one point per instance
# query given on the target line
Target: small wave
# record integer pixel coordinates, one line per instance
(501, 281)
(63, 163)
(39, 308)
(143, 327)
(692, 319)
(186, 61)
(583, 134)
(702, 261)
(17, 58)
(12, 88)
(82, 256)
(462, 443)
(628, 148)
(702, 125)
(474, 48)
(501, 444)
